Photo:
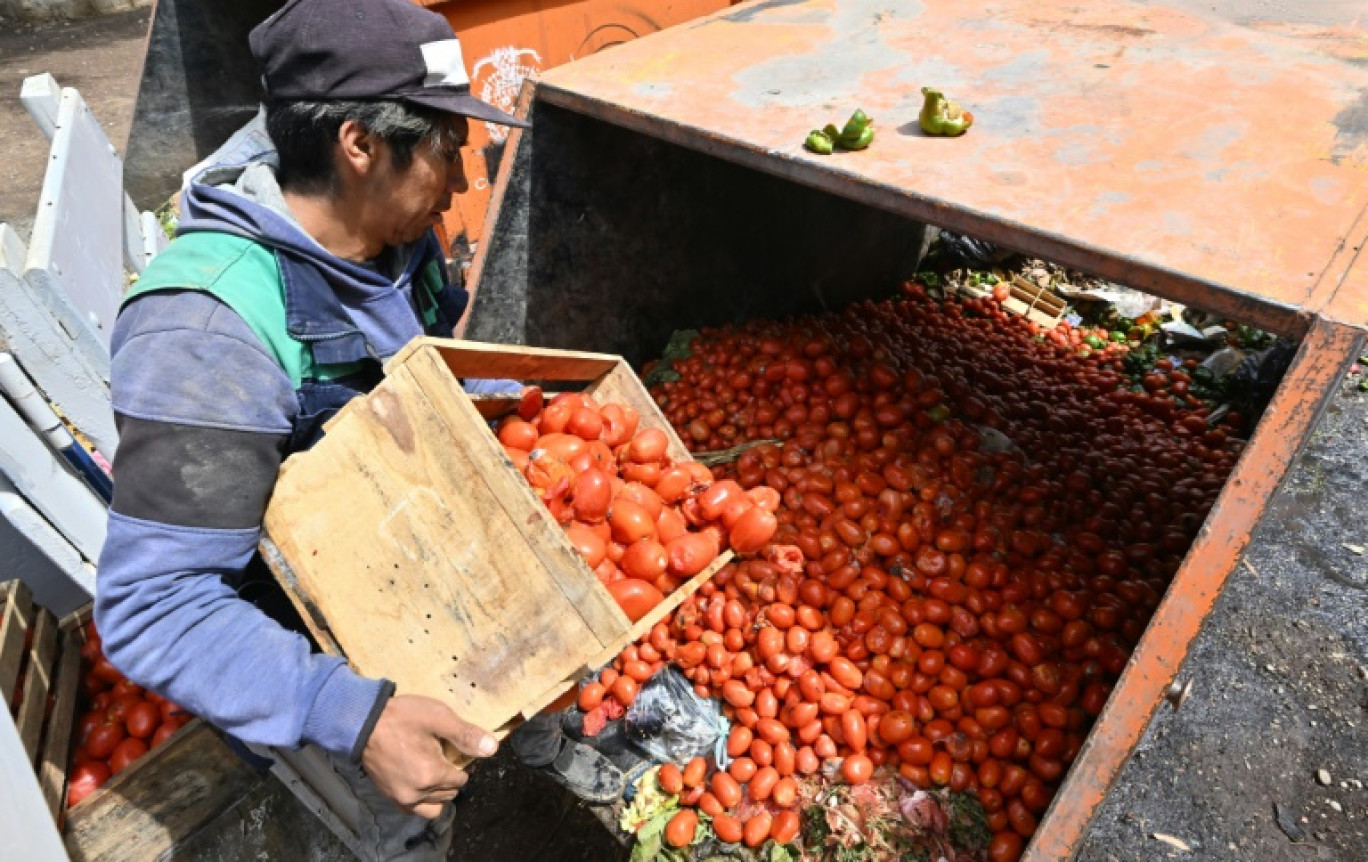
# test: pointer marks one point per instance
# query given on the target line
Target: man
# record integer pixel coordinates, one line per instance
(293, 278)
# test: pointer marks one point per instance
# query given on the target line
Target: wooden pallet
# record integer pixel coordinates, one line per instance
(412, 546)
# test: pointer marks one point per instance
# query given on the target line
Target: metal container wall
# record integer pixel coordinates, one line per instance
(664, 185)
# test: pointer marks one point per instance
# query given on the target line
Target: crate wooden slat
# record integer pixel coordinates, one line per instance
(14, 625)
(37, 683)
(440, 568)
(52, 761)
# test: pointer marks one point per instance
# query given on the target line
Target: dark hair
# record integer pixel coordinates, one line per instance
(304, 134)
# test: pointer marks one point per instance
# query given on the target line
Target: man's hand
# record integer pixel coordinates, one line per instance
(404, 755)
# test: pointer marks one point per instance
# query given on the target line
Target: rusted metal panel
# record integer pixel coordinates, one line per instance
(1325, 353)
(506, 41)
(1208, 161)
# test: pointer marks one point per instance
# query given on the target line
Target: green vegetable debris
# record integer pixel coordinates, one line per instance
(856, 134)
(941, 117)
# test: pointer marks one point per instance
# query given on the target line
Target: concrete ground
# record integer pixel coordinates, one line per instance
(101, 57)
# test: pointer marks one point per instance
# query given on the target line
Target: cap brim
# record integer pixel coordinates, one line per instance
(459, 102)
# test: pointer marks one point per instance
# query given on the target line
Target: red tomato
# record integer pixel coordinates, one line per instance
(670, 779)
(518, 434)
(682, 828)
(591, 495)
(106, 672)
(635, 597)
(85, 779)
(630, 522)
(645, 560)
(142, 719)
(649, 445)
(690, 554)
(164, 732)
(125, 753)
(857, 769)
(753, 530)
(728, 828)
(102, 741)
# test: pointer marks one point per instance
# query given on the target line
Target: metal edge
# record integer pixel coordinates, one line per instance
(1247, 308)
(496, 198)
(1320, 364)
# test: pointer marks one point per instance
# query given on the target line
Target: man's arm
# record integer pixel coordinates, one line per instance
(204, 413)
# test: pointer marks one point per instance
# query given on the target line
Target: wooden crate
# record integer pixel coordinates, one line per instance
(158, 800)
(1038, 304)
(412, 547)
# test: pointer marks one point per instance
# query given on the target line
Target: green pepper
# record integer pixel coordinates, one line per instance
(858, 131)
(941, 117)
(939, 413)
(1095, 343)
(864, 139)
(819, 142)
(1203, 375)
(1118, 336)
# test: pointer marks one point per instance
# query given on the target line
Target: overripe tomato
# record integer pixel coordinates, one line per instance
(690, 554)
(518, 434)
(635, 597)
(630, 522)
(682, 828)
(753, 530)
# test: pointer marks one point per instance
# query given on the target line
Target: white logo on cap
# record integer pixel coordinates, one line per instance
(445, 66)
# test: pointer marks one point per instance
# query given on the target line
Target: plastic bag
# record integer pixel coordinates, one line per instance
(973, 252)
(670, 722)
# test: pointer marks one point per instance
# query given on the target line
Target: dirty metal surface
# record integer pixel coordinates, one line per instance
(606, 239)
(1279, 690)
(1326, 353)
(1217, 161)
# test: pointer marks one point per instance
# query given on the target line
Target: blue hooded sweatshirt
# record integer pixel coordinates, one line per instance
(206, 414)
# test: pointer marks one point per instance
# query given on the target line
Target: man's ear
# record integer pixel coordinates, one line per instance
(358, 147)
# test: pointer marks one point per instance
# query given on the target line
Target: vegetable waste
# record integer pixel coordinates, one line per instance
(976, 519)
(941, 117)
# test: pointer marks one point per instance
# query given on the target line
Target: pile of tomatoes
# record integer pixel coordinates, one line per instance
(643, 522)
(120, 723)
(975, 524)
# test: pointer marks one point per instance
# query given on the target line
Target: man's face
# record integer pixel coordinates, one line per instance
(403, 204)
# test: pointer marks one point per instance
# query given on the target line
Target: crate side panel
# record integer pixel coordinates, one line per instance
(544, 539)
(482, 360)
(623, 386)
(52, 762)
(158, 801)
(420, 573)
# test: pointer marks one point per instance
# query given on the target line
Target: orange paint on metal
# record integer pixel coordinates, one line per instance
(1173, 151)
(504, 41)
(1320, 365)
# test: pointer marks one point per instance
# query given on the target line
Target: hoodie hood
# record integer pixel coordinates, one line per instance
(326, 297)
